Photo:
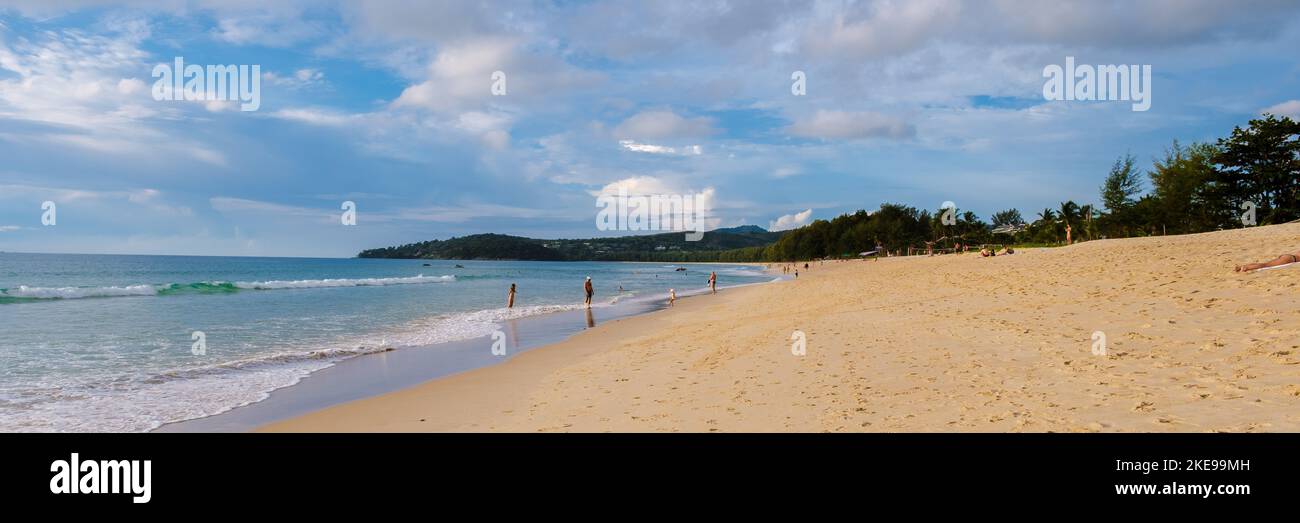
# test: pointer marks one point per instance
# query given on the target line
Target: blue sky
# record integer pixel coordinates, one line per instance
(389, 105)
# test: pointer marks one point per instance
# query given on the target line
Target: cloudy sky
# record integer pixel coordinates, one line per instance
(389, 105)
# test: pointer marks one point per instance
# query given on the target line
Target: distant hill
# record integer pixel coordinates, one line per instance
(744, 229)
(655, 247)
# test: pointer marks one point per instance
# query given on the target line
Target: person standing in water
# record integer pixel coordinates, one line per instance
(510, 303)
(590, 291)
(713, 282)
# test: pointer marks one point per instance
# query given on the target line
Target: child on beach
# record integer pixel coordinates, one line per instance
(672, 296)
(590, 291)
(510, 304)
(1282, 259)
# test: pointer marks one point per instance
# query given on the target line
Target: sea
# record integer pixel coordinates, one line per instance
(127, 343)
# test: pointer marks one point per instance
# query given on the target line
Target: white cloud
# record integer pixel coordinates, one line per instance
(652, 125)
(706, 200)
(148, 199)
(491, 128)
(460, 77)
(241, 205)
(877, 29)
(314, 116)
(849, 125)
(791, 221)
(786, 171)
(83, 87)
(1289, 108)
(689, 150)
(278, 24)
(130, 86)
(298, 79)
(9, 228)
(640, 186)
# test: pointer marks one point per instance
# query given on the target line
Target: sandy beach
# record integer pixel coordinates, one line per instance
(932, 344)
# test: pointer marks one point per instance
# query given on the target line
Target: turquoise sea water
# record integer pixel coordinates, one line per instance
(105, 343)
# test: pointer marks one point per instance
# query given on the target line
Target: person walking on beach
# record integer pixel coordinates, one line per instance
(510, 303)
(1067, 234)
(713, 282)
(672, 296)
(590, 291)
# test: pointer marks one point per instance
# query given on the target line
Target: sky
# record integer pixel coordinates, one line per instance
(391, 105)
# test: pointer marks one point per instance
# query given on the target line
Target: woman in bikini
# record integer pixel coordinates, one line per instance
(1284, 259)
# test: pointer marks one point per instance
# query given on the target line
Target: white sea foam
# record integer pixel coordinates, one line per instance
(68, 293)
(23, 291)
(144, 403)
(342, 282)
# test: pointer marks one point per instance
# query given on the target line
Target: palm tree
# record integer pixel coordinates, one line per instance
(1069, 212)
(1044, 224)
(1046, 216)
(1088, 213)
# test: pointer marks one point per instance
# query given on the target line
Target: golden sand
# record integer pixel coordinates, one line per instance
(935, 344)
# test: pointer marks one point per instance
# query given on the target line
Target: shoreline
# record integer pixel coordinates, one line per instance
(480, 388)
(371, 374)
(953, 343)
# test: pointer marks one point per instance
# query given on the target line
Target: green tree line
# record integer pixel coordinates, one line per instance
(1250, 177)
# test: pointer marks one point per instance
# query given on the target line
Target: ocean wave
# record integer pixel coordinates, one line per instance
(342, 282)
(146, 401)
(51, 293)
(26, 293)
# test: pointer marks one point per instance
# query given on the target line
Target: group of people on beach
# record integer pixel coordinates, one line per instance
(590, 291)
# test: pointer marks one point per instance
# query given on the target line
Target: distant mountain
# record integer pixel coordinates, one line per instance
(743, 229)
(654, 247)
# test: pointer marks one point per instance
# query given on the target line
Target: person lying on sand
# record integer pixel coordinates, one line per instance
(1284, 259)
